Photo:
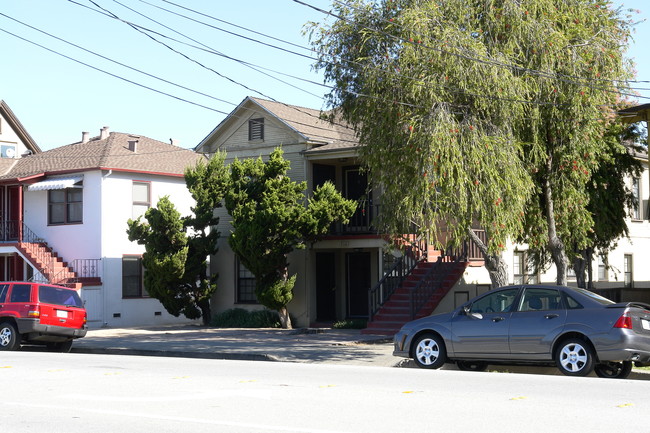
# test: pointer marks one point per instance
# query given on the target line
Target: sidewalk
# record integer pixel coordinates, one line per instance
(318, 345)
(336, 346)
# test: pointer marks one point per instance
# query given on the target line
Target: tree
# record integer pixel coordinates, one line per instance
(478, 111)
(270, 219)
(610, 196)
(177, 248)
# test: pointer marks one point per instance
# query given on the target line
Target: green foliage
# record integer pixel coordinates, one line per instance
(350, 324)
(240, 318)
(177, 248)
(480, 111)
(270, 220)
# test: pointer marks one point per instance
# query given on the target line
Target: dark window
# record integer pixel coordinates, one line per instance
(256, 129)
(540, 300)
(132, 278)
(3, 292)
(59, 296)
(496, 302)
(65, 206)
(20, 293)
(245, 285)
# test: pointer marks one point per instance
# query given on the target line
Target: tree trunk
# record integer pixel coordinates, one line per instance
(555, 244)
(497, 267)
(285, 319)
(579, 267)
(206, 312)
(590, 272)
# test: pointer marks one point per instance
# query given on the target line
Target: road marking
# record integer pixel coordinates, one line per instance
(519, 398)
(625, 405)
(6, 366)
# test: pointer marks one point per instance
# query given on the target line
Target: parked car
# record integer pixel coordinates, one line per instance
(577, 330)
(33, 313)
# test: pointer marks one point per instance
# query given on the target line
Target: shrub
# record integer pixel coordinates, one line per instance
(240, 318)
(351, 324)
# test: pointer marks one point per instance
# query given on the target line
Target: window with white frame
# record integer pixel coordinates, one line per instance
(141, 198)
(524, 271)
(603, 275)
(635, 212)
(132, 277)
(628, 277)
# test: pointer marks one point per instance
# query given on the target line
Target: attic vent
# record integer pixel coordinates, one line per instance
(256, 129)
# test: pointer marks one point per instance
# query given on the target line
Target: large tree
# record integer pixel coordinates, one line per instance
(270, 219)
(478, 111)
(177, 248)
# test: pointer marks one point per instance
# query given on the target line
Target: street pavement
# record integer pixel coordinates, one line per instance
(307, 345)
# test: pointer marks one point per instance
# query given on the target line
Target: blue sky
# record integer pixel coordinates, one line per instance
(56, 98)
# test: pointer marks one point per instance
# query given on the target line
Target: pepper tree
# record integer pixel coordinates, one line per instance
(478, 111)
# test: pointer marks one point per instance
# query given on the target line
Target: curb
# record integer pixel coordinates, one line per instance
(179, 354)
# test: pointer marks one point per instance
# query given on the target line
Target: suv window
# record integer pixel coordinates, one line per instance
(59, 296)
(20, 293)
(4, 288)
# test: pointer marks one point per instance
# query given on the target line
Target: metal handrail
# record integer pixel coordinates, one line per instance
(393, 278)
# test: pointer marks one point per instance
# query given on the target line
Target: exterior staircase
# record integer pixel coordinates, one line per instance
(49, 264)
(437, 278)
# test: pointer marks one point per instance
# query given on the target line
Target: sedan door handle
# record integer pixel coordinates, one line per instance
(551, 316)
(498, 319)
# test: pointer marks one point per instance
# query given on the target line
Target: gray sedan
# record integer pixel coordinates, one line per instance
(577, 330)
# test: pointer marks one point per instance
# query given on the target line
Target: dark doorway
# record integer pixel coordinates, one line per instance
(358, 283)
(323, 173)
(356, 188)
(14, 211)
(325, 287)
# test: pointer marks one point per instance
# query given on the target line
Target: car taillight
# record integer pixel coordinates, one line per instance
(34, 313)
(624, 322)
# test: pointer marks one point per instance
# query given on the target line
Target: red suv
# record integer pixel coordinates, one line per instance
(46, 314)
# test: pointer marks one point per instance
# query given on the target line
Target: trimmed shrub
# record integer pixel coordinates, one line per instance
(240, 318)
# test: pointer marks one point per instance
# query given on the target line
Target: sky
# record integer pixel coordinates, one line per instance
(262, 53)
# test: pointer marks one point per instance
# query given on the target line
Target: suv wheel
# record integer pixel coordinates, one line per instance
(9, 336)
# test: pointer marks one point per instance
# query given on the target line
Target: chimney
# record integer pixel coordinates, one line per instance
(133, 146)
(173, 142)
(103, 133)
(85, 135)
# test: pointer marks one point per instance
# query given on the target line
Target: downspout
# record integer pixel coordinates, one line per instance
(104, 291)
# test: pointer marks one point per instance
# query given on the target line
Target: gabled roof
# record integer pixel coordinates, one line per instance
(18, 127)
(307, 122)
(111, 153)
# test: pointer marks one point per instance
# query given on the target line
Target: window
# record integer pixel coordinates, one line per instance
(132, 281)
(635, 212)
(495, 302)
(256, 129)
(8, 151)
(21, 293)
(65, 206)
(141, 198)
(628, 278)
(245, 285)
(603, 275)
(524, 271)
(540, 300)
(3, 292)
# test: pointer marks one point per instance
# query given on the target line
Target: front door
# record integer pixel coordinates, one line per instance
(14, 213)
(483, 330)
(358, 283)
(325, 287)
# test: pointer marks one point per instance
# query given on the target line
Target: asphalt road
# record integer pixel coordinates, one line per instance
(75, 393)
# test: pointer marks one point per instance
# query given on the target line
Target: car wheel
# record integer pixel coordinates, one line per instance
(60, 347)
(9, 336)
(429, 351)
(472, 365)
(614, 370)
(574, 357)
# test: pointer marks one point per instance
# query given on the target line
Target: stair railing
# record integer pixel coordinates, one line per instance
(430, 283)
(393, 278)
